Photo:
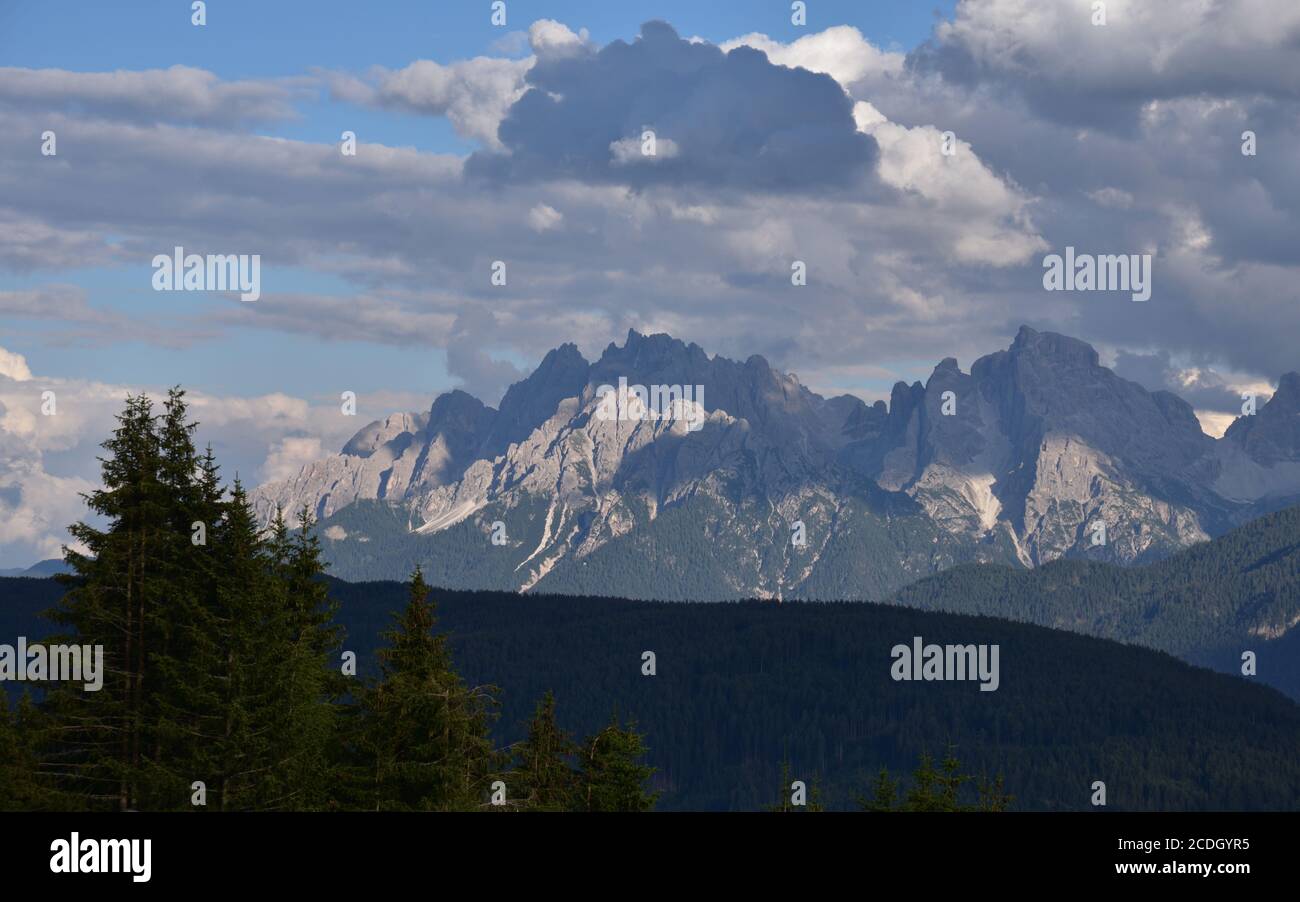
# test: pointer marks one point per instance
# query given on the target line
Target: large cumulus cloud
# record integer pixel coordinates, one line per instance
(723, 119)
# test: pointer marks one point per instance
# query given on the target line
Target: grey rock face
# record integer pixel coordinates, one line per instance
(1259, 457)
(1272, 435)
(1017, 461)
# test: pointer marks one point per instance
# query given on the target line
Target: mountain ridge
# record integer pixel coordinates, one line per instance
(1015, 462)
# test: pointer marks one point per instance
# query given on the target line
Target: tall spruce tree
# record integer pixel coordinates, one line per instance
(306, 686)
(114, 601)
(424, 743)
(243, 650)
(543, 778)
(180, 621)
(192, 715)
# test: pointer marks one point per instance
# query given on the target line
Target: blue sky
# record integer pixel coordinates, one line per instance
(74, 34)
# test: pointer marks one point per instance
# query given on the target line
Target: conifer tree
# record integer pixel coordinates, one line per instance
(114, 600)
(785, 802)
(244, 648)
(613, 777)
(815, 795)
(181, 621)
(214, 717)
(305, 684)
(543, 778)
(425, 744)
(936, 789)
(11, 768)
(992, 795)
(195, 671)
(884, 793)
(19, 786)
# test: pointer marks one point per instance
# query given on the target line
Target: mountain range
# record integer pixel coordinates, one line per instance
(45, 568)
(1015, 462)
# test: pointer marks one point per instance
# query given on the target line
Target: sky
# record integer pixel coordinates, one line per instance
(920, 159)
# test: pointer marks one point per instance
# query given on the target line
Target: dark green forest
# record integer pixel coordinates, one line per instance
(742, 687)
(230, 664)
(1207, 604)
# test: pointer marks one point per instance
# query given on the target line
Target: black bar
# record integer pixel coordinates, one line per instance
(446, 853)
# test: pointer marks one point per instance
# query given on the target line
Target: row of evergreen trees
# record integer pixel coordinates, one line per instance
(932, 788)
(224, 683)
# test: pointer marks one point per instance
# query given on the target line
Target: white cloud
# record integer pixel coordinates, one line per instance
(628, 151)
(551, 39)
(473, 94)
(289, 456)
(36, 508)
(993, 215)
(544, 217)
(14, 366)
(840, 52)
(940, 257)
(1115, 198)
(1161, 49)
(178, 94)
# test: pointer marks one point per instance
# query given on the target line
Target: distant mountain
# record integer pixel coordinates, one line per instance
(1016, 462)
(740, 687)
(41, 569)
(1207, 604)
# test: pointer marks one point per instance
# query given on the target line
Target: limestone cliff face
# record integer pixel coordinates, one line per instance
(1014, 461)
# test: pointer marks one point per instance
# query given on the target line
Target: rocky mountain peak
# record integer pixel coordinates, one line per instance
(455, 403)
(947, 365)
(646, 359)
(1288, 392)
(373, 436)
(1054, 347)
(1272, 434)
(532, 401)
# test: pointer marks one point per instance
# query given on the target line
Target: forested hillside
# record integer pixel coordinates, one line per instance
(740, 687)
(1208, 604)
